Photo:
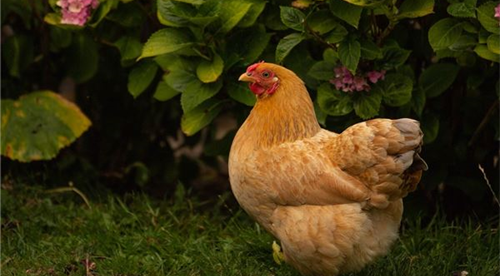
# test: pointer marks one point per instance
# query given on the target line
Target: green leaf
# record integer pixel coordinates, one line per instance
(330, 55)
(337, 34)
(322, 22)
(349, 54)
(367, 105)
(322, 70)
(164, 92)
(333, 102)
(366, 3)
(192, 2)
(483, 52)
(346, 12)
(165, 41)
(394, 56)
(130, 48)
(82, 58)
(370, 50)
(444, 33)
(464, 42)
(248, 44)
(200, 117)
(197, 92)
(418, 101)
(466, 59)
(209, 71)
(241, 93)
(175, 14)
(396, 89)
(38, 125)
(485, 14)
(17, 52)
(463, 9)
(292, 18)
(286, 45)
(102, 10)
(59, 38)
(437, 78)
(179, 79)
(252, 14)
(231, 14)
(141, 76)
(415, 8)
(493, 43)
(430, 127)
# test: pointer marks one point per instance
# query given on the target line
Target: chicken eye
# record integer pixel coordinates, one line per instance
(265, 74)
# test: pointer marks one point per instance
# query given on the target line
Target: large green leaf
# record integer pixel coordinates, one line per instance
(253, 13)
(493, 43)
(241, 93)
(366, 3)
(175, 14)
(231, 13)
(286, 45)
(430, 127)
(322, 70)
(437, 78)
(248, 44)
(485, 14)
(130, 48)
(179, 79)
(197, 92)
(200, 117)
(484, 52)
(415, 8)
(394, 56)
(370, 50)
(332, 101)
(166, 41)
(346, 12)
(337, 34)
(367, 105)
(82, 58)
(141, 76)
(292, 18)
(17, 51)
(209, 71)
(463, 9)
(444, 33)
(38, 125)
(349, 54)
(322, 22)
(396, 89)
(418, 101)
(164, 92)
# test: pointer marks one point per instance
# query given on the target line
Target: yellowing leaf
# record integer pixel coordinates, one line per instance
(38, 125)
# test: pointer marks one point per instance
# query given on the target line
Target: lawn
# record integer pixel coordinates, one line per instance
(134, 234)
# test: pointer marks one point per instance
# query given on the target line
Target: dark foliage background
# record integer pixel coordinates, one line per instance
(136, 141)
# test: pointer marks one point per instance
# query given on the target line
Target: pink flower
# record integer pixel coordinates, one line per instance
(76, 12)
(497, 11)
(375, 76)
(345, 81)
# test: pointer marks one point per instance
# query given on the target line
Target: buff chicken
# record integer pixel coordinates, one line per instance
(334, 201)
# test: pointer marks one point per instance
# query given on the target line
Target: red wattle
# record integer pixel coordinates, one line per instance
(256, 88)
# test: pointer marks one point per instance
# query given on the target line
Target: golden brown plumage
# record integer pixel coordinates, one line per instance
(333, 200)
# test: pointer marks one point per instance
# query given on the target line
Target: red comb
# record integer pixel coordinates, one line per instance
(254, 66)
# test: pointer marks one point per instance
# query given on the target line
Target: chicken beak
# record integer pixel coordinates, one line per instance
(246, 77)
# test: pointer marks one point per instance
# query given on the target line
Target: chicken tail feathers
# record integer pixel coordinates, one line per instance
(384, 155)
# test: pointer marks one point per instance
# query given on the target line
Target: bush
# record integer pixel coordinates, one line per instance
(179, 60)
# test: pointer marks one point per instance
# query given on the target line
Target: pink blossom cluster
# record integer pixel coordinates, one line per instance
(76, 12)
(497, 12)
(345, 81)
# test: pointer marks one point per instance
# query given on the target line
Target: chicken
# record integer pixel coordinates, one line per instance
(333, 200)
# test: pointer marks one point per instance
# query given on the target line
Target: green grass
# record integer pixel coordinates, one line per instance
(57, 234)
